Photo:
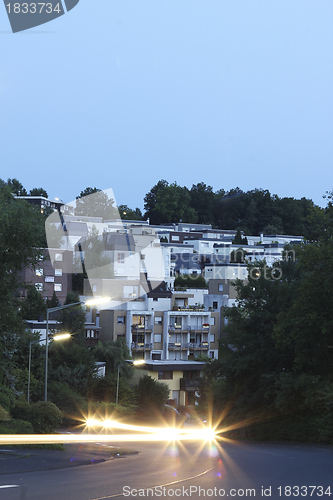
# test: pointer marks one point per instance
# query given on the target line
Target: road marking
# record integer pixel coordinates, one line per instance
(159, 485)
(9, 486)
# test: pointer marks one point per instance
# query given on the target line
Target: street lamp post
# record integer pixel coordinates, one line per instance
(129, 363)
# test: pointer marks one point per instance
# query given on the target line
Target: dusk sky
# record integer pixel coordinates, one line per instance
(121, 94)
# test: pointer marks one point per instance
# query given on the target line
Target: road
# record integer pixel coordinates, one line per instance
(237, 470)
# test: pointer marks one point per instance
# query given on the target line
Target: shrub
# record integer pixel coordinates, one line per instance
(72, 404)
(7, 398)
(151, 395)
(21, 410)
(45, 417)
(4, 415)
(16, 427)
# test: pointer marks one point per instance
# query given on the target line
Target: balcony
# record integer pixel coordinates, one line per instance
(189, 384)
(141, 328)
(177, 346)
(199, 345)
(141, 346)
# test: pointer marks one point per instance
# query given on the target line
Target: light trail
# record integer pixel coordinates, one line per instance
(166, 436)
(204, 433)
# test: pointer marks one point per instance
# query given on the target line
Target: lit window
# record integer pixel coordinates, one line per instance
(58, 287)
(39, 272)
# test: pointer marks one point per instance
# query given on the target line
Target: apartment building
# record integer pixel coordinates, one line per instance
(53, 274)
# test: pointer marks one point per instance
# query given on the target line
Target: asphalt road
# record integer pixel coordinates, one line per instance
(237, 470)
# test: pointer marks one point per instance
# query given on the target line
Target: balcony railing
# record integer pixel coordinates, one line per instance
(188, 384)
(139, 346)
(199, 345)
(177, 346)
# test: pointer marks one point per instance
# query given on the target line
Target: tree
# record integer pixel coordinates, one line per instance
(33, 306)
(239, 240)
(73, 318)
(169, 203)
(53, 302)
(38, 192)
(114, 353)
(151, 395)
(93, 202)
(127, 213)
(21, 236)
(16, 187)
(202, 200)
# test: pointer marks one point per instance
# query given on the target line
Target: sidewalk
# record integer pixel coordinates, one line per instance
(16, 460)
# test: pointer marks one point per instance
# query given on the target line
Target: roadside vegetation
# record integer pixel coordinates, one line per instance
(275, 368)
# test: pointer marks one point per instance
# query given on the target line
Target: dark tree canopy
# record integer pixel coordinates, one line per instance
(254, 212)
(38, 192)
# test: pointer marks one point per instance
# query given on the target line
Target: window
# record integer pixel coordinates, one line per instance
(94, 288)
(58, 257)
(58, 287)
(175, 238)
(211, 354)
(156, 355)
(139, 321)
(211, 337)
(157, 337)
(39, 287)
(39, 272)
(212, 321)
(214, 305)
(165, 375)
(155, 299)
(121, 258)
(220, 287)
(58, 272)
(121, 320)
(158, 320)
(178, 321)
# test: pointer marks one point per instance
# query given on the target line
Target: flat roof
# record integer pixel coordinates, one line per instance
(168, 364)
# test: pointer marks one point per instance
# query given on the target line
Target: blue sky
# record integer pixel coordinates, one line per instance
(120, 94)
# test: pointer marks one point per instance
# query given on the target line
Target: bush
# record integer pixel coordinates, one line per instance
(151, 395)
(106, 410)
(72, 404)
(7, 398)
(4, 415)
(45, 417)
(16, 427)
(21, 410)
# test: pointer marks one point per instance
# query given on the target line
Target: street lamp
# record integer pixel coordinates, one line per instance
(91, 302)
(63, 336)
(128, 363)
